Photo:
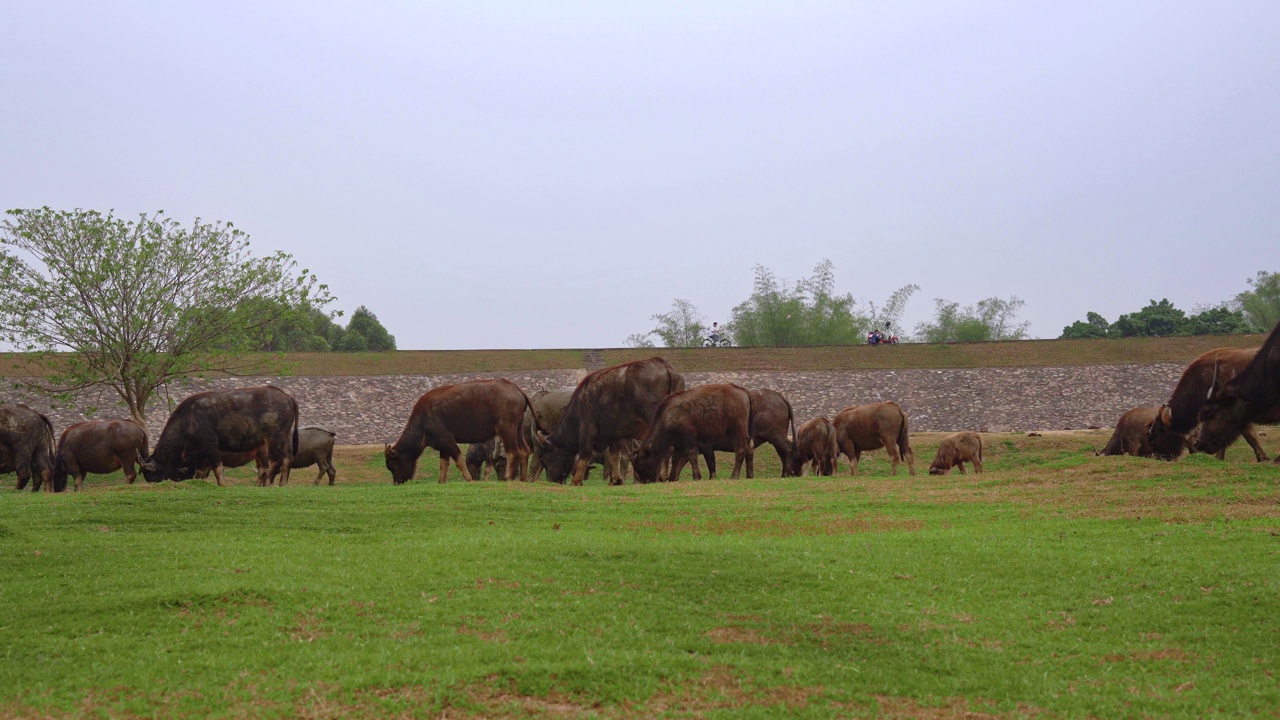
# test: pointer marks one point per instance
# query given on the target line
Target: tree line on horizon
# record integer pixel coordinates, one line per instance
(809, 312)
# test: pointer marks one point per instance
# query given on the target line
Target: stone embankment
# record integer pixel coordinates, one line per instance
(374, 409)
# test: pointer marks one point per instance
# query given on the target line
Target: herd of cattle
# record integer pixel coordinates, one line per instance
(638, 414)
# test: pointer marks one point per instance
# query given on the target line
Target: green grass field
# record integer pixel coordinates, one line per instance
(1056, 584)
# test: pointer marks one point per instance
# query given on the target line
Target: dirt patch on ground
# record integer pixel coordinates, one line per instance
(730, 635)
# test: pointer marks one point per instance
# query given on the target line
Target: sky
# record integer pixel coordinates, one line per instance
(552, 174)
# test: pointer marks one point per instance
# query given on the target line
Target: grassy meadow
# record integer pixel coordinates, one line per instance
(1057, 584)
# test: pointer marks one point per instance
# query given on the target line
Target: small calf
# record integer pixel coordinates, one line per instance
(955, 451)
(483, 456)
(315, 447)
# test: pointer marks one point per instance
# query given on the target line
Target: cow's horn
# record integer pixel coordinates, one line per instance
(1213, 383)
(389, 451)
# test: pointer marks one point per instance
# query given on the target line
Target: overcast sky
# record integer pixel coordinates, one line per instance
(546, 174)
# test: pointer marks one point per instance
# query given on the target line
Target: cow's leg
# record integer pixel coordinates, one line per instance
(691, 455)
(217, 474)
(708, 454)
(126, 463)
(444, 468)
(1251, 436)
(535, 464)
(739, 457)
(977, 465)
(960, 465)
(891, 447)
(319, 471)
(611, 466)
(580, 467)
(462, 467)
(853, 462)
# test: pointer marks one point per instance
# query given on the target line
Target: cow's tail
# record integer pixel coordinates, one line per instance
(904, 443)
(295, 426)
(751, 416)
(537, 425)
(979, 448)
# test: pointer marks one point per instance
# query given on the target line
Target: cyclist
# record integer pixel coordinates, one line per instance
(715, 333)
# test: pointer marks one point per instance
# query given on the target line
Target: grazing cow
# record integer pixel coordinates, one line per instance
(616, 403)
(816, 446)
(469, 412)
(210, 423)
(1132, 435)
(874, 426)
(315, 447)
(1171, 432)
(549, 406)
(955, 451)
(1234, 404)
(26, 446)
(772, 419)
(716, 416)
(485, 455)
(258, 456)
(98, 446)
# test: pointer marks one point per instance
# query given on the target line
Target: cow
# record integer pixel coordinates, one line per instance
(549, 406)
(315, 447)
(485, 455)
(1233, 404)
(874, 426)
(816, 446)
(616, 403)
(98, 446)
(955, 451)
(1171, 431)
(771, 419)
(26, 446)
(257, 456)
(717, 416)
(209, 423)
(469, 412)
(1132, 435)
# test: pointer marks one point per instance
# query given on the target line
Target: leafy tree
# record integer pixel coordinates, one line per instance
(682, 326)
(97, 301)
(1094, 326)
(1219, 320)
(304, 329)
(991, 319)
(1157, 319)
(1261, 305)
(810, 312)
(365, 323)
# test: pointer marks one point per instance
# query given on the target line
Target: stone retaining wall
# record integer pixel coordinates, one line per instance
(374, 409)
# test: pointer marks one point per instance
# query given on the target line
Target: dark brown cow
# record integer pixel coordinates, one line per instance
(469, 412)
(716, 416)
(772, 420)
(26, 446)
(1170, 432)
(1132, 435)
(874, 426)
(210, 423)
(616, 403)
(549, 406)
(816, 446)
(955, 451)
(98, 446)
(1234, 404)
(258, 456)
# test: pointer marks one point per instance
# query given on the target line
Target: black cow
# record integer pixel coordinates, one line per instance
(26, 446)
(1252, 396)
(209, 423)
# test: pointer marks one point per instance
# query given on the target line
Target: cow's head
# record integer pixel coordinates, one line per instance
(647, 464)
(793, 465)
(400, 464)
(1166, 443)
(1223, 416)
(154, 471)
(558, 462)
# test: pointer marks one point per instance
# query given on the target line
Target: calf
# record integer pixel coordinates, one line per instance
(483, 456)
(955, 451)
(816, 446)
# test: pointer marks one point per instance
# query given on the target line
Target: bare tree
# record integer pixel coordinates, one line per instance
(97, 301)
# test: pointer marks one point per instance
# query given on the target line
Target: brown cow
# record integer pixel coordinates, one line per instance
(98, 446)
(1170, 432)
(816, 446)
(1132, 435)
(616, 403)
(716, 416)
(26, 446)
(1234, 404)
(955, 451)
(315, 447)
(469, 412)
(549, 406)
(772, 419)
(874, 426)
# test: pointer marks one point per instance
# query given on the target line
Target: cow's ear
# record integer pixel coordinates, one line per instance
(389, 451)
(1166, 415)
